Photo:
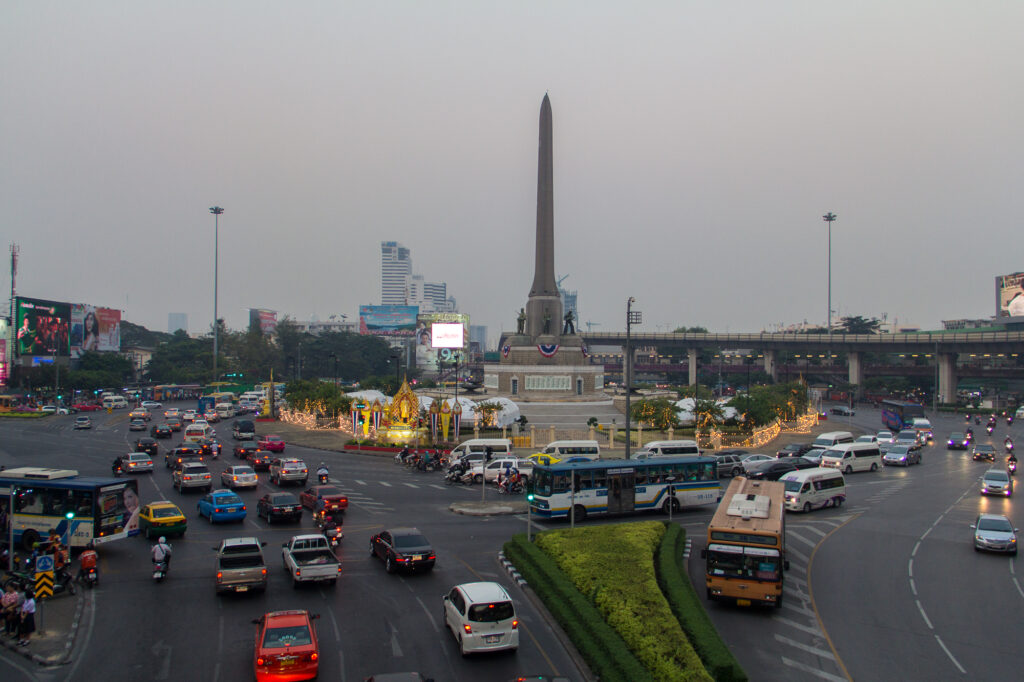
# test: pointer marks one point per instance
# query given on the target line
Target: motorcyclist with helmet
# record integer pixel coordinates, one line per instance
(161, 552)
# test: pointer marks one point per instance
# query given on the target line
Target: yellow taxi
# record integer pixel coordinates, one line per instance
(544, 459)
(161, 518)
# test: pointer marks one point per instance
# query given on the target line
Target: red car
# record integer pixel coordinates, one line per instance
(87, 407)
(272, 443)
(331, 497)
(286, 646)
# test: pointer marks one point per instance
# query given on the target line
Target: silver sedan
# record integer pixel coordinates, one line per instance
(995, 533)
(901, 455)
(239, 476)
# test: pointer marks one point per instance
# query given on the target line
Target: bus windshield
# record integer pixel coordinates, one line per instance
(750, 563)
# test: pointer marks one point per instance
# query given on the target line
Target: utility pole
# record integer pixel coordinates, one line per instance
(632, 317)
(216, 211)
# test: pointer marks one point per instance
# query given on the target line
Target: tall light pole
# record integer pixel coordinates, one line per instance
(829, 218)
(216, 211)
(632, 317)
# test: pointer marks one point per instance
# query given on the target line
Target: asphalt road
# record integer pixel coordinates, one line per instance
(371, 622)
(889, 587)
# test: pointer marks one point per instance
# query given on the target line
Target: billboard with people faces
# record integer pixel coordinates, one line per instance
(1010, 295)
(94, 329)
(42, 327)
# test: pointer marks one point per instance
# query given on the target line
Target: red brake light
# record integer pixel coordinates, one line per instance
(313, 656)
(243, 507)
(260, 661)
(515, 624)
(467, 628)
(218, 510)
(264, 571)
(220, 575)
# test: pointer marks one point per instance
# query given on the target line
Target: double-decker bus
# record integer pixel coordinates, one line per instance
(898, 415)
(746, 550)
(623, 486)
(81, 508)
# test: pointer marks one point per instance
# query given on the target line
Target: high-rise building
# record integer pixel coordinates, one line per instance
(176, 321)
(395, 274)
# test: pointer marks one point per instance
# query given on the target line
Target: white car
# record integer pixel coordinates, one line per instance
(754, 459)
(151, 405)
(136, 461)
(867, 438)
(482, 617)
(239, 476)
(885, 436)
(53, 409)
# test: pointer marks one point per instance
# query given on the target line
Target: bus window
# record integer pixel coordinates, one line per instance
(561, 483)
(600, 479)
(710, 472)
(585, 479)
(640, 477)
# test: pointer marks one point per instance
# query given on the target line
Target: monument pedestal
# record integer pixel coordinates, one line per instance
(550, 368)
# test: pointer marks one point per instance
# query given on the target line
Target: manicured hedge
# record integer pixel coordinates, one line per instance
(614, 566)
(604, 651)
(689, 610)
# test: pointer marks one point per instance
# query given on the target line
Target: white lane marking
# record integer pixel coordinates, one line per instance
(925, 534)
(955, 662)
(341, 664)
(220, 646)
(812, 671)
(359, 482)
(334, 622)
(429, 617)
(794, 534)
(797, 554)
(788, 604)
(90, 607)
(411, 485)
(916, 547)
(821, 653)
(1017, 585)
(385, 484)
(814, 530)
(799, 626)
(439, 487)
(798, 568)
(396, 650)
(910, 568)
(913, 587)
(923, 614)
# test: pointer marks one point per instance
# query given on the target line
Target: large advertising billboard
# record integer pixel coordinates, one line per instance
(266, 319)
(442, 329)
(388, 320)
(42, 327)
(1010, 295)
(94, 329)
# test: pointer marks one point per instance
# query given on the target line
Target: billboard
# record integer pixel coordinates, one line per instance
(388, 320)
(266, 319)
(94, 329)
(42, 327)
(4, 360)
(428, 354)
(447, 335)
(1010, 295)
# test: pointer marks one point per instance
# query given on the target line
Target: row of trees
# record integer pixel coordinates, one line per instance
(760, 406)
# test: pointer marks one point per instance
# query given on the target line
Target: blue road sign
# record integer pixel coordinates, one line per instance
(44, 562)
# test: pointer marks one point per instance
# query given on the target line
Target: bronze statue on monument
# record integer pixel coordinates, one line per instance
(521, 322)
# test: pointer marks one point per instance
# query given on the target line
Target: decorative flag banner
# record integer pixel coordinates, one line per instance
(446, 415)
(585, 350)
(435, 411)
(377, 411)
(457, 417)
(548, 350)
(505, 350)
(355, 420)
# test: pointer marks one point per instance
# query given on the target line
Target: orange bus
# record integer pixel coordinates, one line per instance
(746, 550)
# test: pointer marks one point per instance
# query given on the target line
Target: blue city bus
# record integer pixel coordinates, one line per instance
(623, 486)
(898, 415)
(82, 509)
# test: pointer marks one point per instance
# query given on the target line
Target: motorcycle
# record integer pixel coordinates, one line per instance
(977, 421)
(990, 429)
(458, 476)
(1009, 421)
(159, 570)
(322, 478)
(91, 577)
(331, 528)
(63, 581)
(514, 488)
(1011, 466)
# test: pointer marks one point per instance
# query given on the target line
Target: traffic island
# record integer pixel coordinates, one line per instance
(488, 508)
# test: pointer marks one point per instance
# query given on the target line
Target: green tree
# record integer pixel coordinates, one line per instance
(855, 324)
(690, 330)
(660, 413)
(707, 413)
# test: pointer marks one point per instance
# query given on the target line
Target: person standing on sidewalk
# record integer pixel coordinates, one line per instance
(28, 618)
(10, 604)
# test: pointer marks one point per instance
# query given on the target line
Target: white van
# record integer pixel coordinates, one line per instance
(225, 410)
(814, 489)
(197, 432)
(558, 450)
(667, 448)
(832, 438)
(115, 402)
(500, 447)
(850, 457)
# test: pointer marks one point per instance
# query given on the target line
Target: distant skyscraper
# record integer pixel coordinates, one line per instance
(395, 274)
(176, 321)
(478, 335)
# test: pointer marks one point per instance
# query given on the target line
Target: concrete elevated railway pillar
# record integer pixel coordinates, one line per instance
(856, 374)
(947, 377)
(691, 364)
(769, 365)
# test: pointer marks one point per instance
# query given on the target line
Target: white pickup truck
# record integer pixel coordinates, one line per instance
(491, 470)
(308, 558)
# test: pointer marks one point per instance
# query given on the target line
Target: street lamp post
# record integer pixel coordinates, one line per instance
(216, 211)
(829, 218)
(671, 495)
(632, 317)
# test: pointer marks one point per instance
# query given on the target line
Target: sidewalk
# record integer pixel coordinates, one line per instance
(57, 621)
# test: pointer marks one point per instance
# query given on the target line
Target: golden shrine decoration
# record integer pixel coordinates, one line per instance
(404, 410)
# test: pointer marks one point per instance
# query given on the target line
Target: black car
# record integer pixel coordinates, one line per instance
(174, 455)
(242, 450)
(403, 548)
(175, 423)
(957, 441)
(984, 453)
(774, 470)
(161, 431)
(258, 460)
(147, 445)
(280, 506)
(794, 450)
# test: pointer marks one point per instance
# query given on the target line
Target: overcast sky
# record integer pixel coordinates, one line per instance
(696, 147)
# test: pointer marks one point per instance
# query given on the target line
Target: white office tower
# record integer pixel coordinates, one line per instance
(395, 274)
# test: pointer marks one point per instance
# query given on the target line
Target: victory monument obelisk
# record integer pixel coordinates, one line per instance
(545, 357)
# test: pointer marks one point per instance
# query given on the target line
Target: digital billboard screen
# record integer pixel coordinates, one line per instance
(388, 320)
(446, 335)
(1010, 295)
(266, 319)
(426, 351)
(94, 329)
(43, 327)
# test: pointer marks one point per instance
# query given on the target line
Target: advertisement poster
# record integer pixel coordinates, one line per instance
(266, 319)
(1010, 295)
(42, 327)
(427, 355)
(388, 320)
(94, 329)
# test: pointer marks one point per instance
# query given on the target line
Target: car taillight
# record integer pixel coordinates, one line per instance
(234, 478)
(432, 556)
(264, 571)
(260, 660)
(313, 656)
(467, 628)
(339, 568)
(399, 558)
(218, 510)
(243, 507)
(515, 624)
(220, 575)
(296, 573)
